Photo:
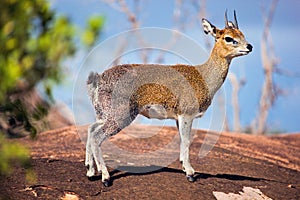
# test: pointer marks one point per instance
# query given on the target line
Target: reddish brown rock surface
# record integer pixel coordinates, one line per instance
(268, 163)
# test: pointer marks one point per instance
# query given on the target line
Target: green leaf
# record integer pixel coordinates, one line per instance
(91, 34)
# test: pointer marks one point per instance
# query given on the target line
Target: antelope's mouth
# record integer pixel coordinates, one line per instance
(245, 52)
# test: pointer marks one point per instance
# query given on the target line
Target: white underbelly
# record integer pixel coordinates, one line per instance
(159, 112)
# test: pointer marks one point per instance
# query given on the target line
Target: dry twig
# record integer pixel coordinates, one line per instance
(269, 62)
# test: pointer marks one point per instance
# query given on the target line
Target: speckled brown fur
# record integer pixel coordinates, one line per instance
(180, 92)
(180, 88)
(168, 91)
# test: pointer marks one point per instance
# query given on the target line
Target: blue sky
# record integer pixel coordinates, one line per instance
(285, 32)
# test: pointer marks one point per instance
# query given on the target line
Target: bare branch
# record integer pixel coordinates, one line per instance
(130, 15)
(269, 62)
(287, 73)
(113, 4)
(177, 14)
(236, 85)
(201, 10)
(175, 36)
(132, 18)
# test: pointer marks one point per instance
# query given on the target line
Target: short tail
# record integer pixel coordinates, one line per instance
(92, 79)
(92, 83)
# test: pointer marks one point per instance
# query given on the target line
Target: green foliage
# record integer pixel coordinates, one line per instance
(28, 29)
(12, 152)
(94, 25)
(34, 42)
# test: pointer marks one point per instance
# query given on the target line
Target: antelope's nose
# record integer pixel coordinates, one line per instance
(249, 47)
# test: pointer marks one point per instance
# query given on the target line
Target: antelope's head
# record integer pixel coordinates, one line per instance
(230, 41)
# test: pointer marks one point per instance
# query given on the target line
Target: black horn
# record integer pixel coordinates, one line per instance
(235, 21)
(226, 19)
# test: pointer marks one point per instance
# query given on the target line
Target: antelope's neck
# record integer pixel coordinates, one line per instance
(214, 70)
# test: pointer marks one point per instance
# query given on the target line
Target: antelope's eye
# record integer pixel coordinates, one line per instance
(230, 39)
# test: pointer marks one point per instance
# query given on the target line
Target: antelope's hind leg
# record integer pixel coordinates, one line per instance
(89, 159)
(96, 136)
(94, 131)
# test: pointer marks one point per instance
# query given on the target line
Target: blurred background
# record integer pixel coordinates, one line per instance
(262, 91)
(44, 45)
(47, 47)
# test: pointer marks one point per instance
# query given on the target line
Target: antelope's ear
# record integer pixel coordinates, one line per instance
(209, 28)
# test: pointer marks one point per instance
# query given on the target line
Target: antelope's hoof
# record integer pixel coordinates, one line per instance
(107, 183)
(190, 178)
(90, 173)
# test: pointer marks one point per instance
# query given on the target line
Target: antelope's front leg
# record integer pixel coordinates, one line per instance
(184, 127)
(181, 145)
